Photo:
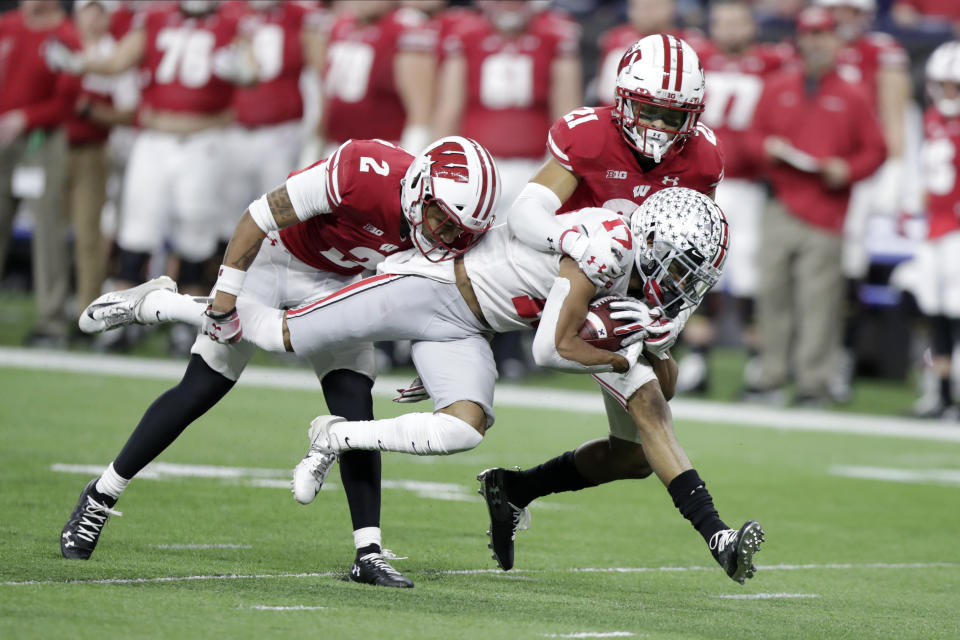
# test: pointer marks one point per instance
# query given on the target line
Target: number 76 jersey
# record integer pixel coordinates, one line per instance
(350, 207)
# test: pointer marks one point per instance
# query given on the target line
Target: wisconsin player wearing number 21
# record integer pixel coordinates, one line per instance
(306, 239)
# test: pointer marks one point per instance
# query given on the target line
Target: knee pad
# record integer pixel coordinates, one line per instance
(193, 273)
(132, 265)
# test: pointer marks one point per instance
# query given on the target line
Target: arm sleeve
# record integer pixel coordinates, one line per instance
(53, 112)
(532, 218)
(545, 342)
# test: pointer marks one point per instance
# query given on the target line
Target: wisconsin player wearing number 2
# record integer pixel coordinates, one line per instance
(308, 238)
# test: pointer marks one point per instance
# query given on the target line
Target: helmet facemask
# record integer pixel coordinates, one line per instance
(674, 279)
(637, 115)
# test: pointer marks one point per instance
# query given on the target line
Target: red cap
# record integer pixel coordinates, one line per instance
(815, 19)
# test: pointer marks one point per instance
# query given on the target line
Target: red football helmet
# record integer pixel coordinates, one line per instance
(460, 177)
(659, 80)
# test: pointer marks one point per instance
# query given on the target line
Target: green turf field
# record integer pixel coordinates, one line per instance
(232, 555)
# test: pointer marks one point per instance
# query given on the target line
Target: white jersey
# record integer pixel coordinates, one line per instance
(512, 280)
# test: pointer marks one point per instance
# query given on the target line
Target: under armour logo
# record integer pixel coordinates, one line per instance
(592, 260)
(670, 181)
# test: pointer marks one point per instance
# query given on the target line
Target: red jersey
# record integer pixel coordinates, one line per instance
(861, 60)
(99, 90)
(734, 85)
(179, 60)
(365, 223)
(507, 106)
(275, 34)
(588, 142)
(614, 43)
(46, 98)
(946, 9)
(361, 98)
(446, 23)
(941, 168)
(836, 120)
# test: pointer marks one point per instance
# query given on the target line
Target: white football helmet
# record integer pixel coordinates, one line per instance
(944, 66)
(659, 79)
(682, 243)
(458, 175)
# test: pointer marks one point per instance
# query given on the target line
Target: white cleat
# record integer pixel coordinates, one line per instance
(311, 472)
(121, 308)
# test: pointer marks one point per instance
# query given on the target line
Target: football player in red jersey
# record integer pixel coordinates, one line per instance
(934, 274)
(34, 102)
(876, 62)
(172, 187)
(311, 236)
(735, 71)
(617, 157)
(506, 76)
(378, 76)
(644, 18)
(263, 145)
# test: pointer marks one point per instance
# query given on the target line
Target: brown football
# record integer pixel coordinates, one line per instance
(597, 329)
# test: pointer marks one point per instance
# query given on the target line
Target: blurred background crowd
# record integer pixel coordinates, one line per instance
(843, 212)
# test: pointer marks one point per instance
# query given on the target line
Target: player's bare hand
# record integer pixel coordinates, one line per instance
(222, 327)
(835, 173)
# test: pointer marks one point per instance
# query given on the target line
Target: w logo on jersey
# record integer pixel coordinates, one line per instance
(641, 191)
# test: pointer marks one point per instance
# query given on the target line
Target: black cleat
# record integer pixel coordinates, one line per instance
(373, 569)
(735, 550)
(505, 517)
(80, 534)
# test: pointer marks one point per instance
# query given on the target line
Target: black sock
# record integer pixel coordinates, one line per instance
(946, 391)
(691, 497)
(348, 395)
(171, 413)
(553, 476)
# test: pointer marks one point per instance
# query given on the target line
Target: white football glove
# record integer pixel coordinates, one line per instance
(60, 57)
(415, 392)
(222, 327)
(639, 316)
(632, 352)
(662, 334)
(599, 258)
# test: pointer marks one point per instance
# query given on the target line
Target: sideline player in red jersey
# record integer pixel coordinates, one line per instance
(735, 71)
(294, 246)
(378, 76)
(644, 18)
(172, 187)
(263, 144)
(34, 102)
(506, 76)
(879, 65)
(934, 274)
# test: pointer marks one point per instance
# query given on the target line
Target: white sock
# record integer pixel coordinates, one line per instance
(112, 483)
(262, 325)
(366, 536)
(423, 434)
(166, 306)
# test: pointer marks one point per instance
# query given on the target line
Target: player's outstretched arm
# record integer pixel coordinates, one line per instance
(557, 344)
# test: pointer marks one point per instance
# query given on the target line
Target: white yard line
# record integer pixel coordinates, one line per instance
(592, 634)
(455, 572)
(587, 402)
(298, 607)
(948, 477)
(766, 596)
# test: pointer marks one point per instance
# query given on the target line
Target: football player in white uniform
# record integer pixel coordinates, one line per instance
(449, 309)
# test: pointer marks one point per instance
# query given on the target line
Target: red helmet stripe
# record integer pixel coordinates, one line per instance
(488, 172)
(666, 61)
(679, 83)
